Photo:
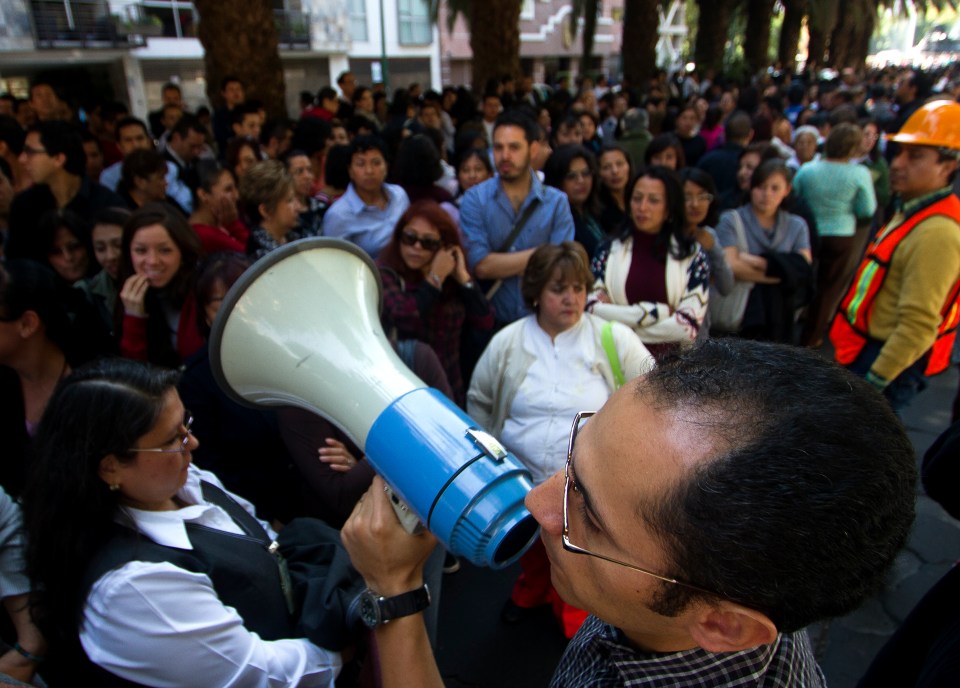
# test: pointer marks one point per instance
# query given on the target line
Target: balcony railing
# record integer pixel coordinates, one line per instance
(293, 29)
(78, 24)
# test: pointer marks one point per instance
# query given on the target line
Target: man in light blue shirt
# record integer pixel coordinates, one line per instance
(132, 134)
(490, 210)
(370, 209)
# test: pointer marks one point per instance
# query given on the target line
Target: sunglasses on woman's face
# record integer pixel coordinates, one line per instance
(427, 243)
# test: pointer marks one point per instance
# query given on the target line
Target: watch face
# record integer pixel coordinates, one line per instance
(369, 610)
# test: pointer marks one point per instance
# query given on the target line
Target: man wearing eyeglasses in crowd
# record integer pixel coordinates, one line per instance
(708, 513)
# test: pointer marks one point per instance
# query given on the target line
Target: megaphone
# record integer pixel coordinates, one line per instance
(302, 328)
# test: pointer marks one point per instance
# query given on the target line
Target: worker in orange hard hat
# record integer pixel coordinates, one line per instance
(898, 320)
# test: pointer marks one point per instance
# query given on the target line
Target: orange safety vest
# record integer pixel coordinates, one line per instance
(850, 327)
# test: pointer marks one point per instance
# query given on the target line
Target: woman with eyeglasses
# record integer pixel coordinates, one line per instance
(428, 293)
(147, 569)
(700, 197)
(537, 373)
(573, 170)
(653, 277)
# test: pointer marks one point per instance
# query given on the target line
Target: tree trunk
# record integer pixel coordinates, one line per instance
(821, 19)
(240, 39)
(591, 9)
(793, 13)
(494, 40)
(640, 23)
(861, 47)
(756, 47)
(712, 27)
(851, 37)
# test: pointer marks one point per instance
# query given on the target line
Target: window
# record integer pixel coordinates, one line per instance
(527, 10)
(358, 20)
(415, 25)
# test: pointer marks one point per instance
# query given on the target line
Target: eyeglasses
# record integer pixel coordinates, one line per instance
(576, 549)
(184, 441)
(411, 239)
(578, 175)
(693, 199)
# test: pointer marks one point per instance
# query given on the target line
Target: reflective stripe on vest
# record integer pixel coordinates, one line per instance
(851, 325)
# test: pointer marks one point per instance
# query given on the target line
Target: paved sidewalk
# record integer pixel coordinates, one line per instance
(846, 646)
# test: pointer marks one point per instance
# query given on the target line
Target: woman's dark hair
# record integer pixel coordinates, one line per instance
(223, 268)
(843, 141)
(310, 135)
(101, 409)
(664, 142)
(54, 220)
(140, 164)
(439, 219)
(26, 285)
(713, 117)
(208, 174)
(417, 162)
(234, 148)
(874, 153)
(704, 180)
(673, 237)
(480, 154)
(558, 165)
(180, 233)
(569, 256)
(336, 167)
(468, 136)
(767, 169)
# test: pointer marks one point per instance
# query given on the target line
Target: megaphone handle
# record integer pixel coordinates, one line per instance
(409, 520)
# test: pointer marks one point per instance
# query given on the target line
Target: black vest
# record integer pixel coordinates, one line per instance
(244, 573)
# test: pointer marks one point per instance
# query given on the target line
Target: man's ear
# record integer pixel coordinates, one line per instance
(728, 627)
(29, 323)
(60, 159)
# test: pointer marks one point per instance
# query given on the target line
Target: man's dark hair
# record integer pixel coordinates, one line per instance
(63, 138)
(738, 126)
(310, 135)
(140, 164)
(186, 124)
(133, 122)
(342, 76)
(517, 118)
(842, 114)
(362, 144)
(11, 133)
(170, 86)
(325, 93)
(227, 80)
(922, 83)
(808, 497)
(242, 110)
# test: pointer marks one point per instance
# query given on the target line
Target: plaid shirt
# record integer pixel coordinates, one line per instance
(438, 318)
(600, 656)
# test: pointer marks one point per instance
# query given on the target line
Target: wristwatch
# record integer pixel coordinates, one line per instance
(376, 610)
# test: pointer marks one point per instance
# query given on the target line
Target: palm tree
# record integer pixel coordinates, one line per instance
(240, 39)
(494, 36)
(712, 28)
(640, 23)
(756, 47)
(588, 10)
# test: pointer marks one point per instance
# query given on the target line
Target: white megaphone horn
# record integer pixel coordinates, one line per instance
(302, 328)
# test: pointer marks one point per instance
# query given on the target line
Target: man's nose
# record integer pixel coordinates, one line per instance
(545, 503)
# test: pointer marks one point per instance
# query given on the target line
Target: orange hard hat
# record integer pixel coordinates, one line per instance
(935, 124)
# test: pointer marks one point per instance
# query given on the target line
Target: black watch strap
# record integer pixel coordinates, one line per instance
(380, 610)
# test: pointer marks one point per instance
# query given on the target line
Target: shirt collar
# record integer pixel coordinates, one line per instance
(169, 528)
(356, 204)
(917, 204)
(537, 188)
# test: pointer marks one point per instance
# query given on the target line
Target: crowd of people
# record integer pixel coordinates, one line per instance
(538, 249)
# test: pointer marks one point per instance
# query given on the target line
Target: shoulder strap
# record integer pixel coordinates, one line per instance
(518, 225)
(610, 348)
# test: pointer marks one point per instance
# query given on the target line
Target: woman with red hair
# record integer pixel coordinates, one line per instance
(428, 293)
